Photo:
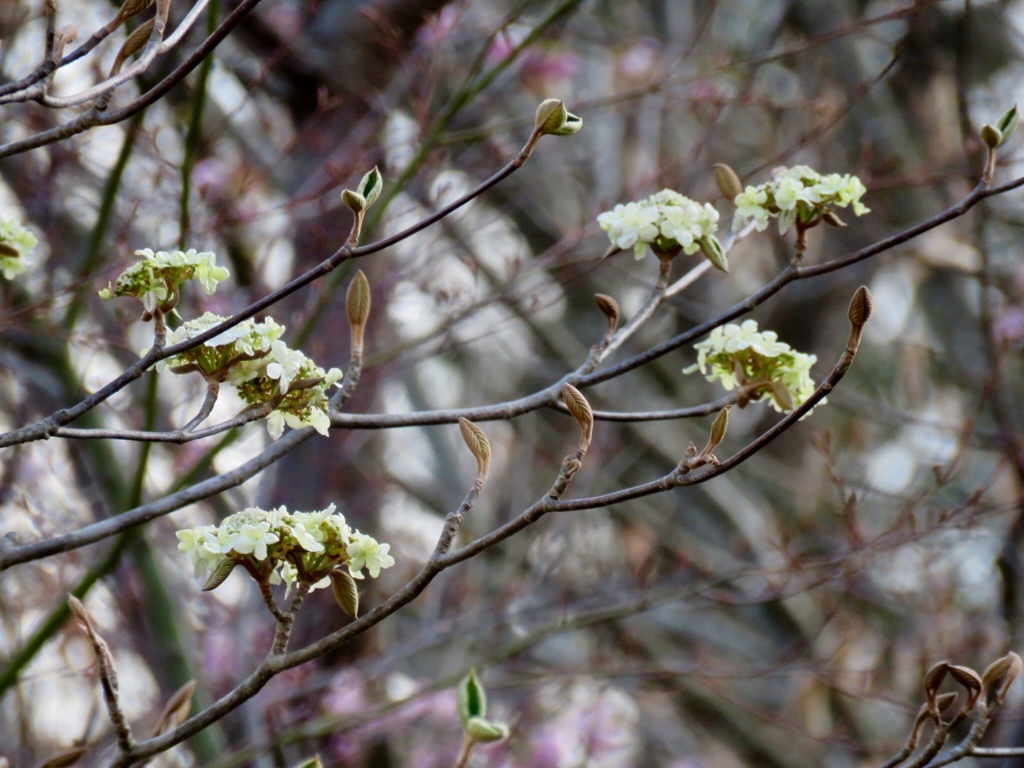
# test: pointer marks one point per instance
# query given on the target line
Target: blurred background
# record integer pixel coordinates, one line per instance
(781, 615)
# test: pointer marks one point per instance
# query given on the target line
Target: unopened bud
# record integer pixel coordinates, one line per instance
(175, 711)
(991, 136)
(861, 307)
(357, 306)
(728, 181)
(580, 410)
(478, 445)
(132, 45)
(718, 429)
(573, 124)
(551, 115)
(345, 592)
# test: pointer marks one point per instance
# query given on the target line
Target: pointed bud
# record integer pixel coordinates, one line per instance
(832, 218)
(345, 592)
(478, 445)
(470, 698)
(311, 762)
(370, 186)
(357, 306)
(728, 181)
(718, 429)
(354, 201)
(610, 308)
(782, 396)
(1005, 669)
(551, 116)
(485, 731)
(932, 680)
(580, 409)
(175, 711)
(861, 307)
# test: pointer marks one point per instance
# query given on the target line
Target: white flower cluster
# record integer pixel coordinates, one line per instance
(666, 221)
(252, 357)
(16, 243)
(798, 194)
(740, 356)
(277, 546)
(155, 279)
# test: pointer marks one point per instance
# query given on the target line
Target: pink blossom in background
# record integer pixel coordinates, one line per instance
(438, 27)
(1008, 327)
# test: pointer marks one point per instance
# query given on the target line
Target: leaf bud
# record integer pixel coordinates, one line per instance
(573, 124)
(610, 308)
(345, 592)
(357, 307)
(832, 218)
(728, 181)
(478, 445)
(354, 201)
(551, 116)
(580, 410)
(861, 307)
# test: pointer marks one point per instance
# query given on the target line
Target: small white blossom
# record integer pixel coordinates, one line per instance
(797, 194)
(740, 356)
(666, 221)
(16, 244)
(285, 547)
(155, 278)
(366, 552)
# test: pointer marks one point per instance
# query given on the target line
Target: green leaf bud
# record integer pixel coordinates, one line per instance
(714, 253)
(573, 124)
(345, 592)
(728, 181)
(354, 201)
(551, 116)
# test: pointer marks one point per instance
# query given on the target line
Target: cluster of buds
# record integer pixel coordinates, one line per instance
(668, 223)
(800, 196)
(16, 243)
(276, 546)
(156, 278)
(756, 363)
(263, 368)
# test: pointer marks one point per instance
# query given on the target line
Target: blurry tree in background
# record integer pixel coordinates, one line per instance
(789, 612)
